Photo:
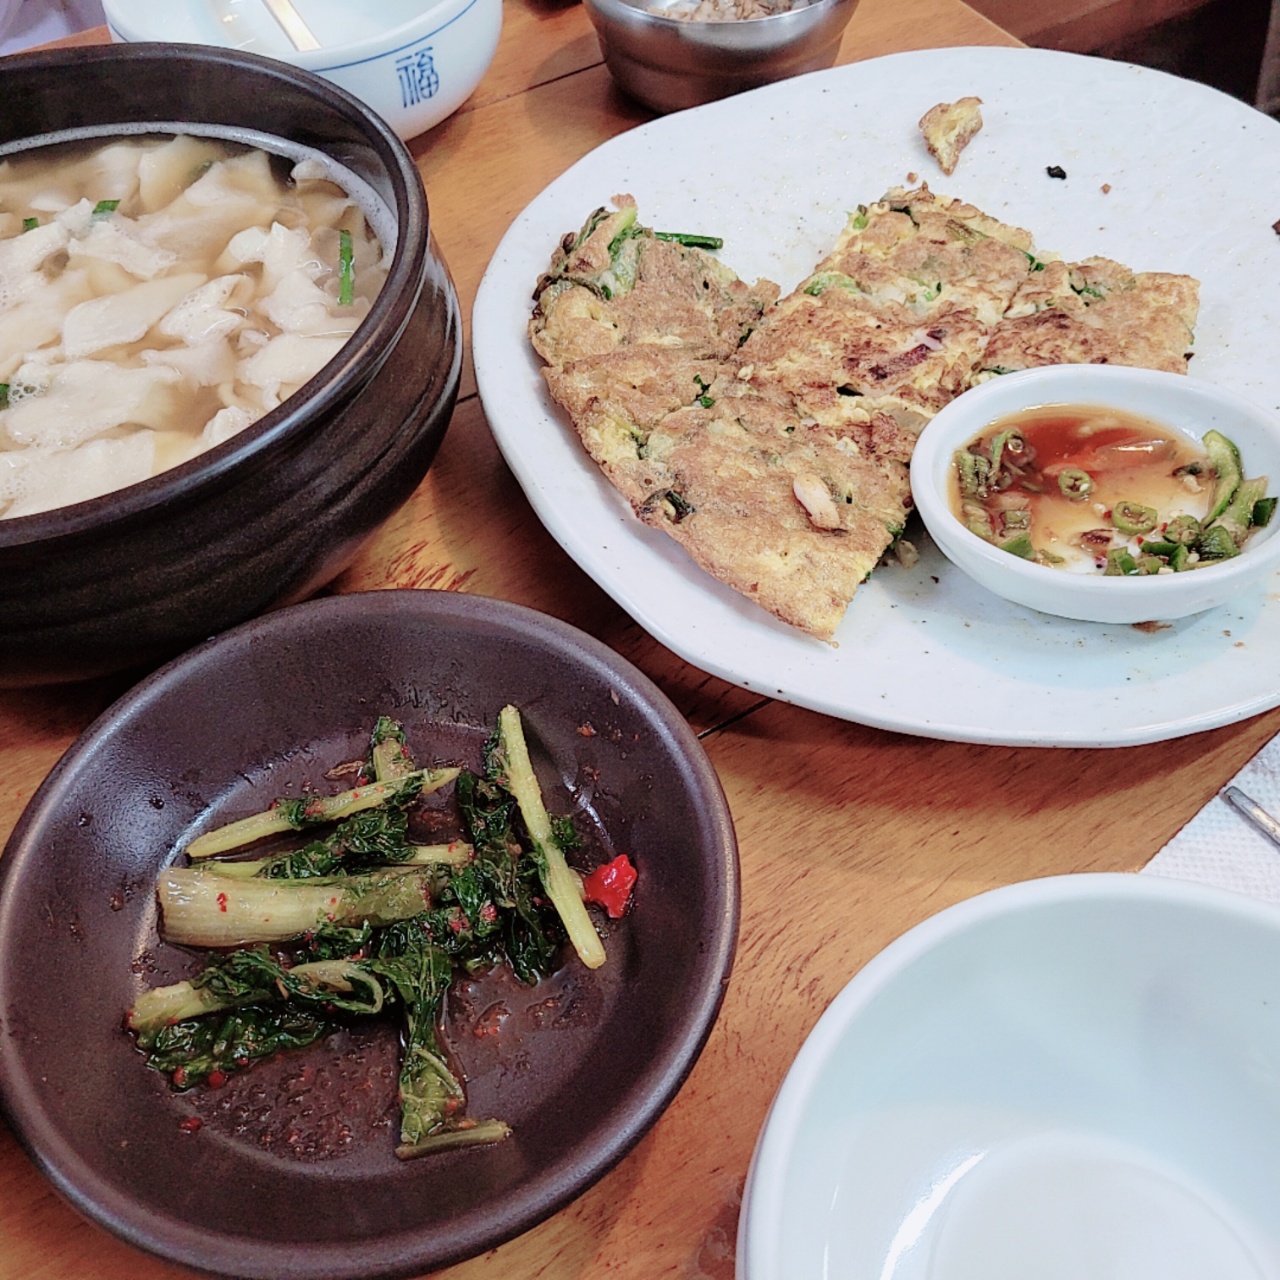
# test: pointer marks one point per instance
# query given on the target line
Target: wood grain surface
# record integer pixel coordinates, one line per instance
(848, 835)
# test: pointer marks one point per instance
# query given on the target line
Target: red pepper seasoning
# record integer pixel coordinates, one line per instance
(610, 886)
(190, 1124)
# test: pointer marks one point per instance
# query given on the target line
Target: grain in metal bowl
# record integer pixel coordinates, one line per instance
(670, 61)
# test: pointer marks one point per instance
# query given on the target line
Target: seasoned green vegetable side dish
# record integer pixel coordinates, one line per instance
(363, 921)
(1094, 490)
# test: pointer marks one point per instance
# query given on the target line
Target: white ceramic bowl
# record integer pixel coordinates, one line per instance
(1188, 404)
(414, 62)
(8, 11)
(1064, 1079)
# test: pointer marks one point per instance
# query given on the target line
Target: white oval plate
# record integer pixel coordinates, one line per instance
(1193, 187)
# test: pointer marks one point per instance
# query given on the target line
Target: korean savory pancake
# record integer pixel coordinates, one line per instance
(617, 284)
(791, 514)
(642, 336)
(772, 437)
(1096, 312)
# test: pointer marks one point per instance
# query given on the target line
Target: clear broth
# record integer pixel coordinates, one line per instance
(158, 294)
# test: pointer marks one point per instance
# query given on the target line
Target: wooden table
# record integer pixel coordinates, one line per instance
(849, 835)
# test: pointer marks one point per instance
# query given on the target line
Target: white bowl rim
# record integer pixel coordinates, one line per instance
(368, 49)
(1261, 554)
(759, 1236)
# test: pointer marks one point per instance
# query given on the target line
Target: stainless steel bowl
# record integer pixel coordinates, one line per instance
(670, 63)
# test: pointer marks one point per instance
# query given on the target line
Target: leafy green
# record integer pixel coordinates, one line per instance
(489, 906)
(346, 269)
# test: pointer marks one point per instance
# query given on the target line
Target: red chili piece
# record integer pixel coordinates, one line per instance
(610, 886)
(190, 1124)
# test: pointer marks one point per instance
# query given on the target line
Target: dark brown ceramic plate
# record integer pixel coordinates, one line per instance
(291, 1172)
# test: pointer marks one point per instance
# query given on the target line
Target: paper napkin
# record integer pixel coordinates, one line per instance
(1219, 846)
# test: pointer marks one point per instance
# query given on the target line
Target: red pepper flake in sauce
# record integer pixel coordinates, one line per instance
(222, 902)
(190, 1124)
(216, 1079)
(610, 886)
(586, 729)
(179, 1077)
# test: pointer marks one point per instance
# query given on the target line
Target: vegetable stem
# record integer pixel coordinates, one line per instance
(561, 883)
(293, 815)
(469, 1135)
(203, 909)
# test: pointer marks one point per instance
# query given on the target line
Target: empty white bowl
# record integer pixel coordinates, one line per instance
(1064, 1079)
(414, 62)
(1187, 404)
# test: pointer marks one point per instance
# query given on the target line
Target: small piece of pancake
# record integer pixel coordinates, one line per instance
(948, 128)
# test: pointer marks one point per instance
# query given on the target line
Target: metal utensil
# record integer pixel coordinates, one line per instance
(1254, 812)
(291, 22)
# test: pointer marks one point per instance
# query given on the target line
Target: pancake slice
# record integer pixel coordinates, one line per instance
(1096, 312)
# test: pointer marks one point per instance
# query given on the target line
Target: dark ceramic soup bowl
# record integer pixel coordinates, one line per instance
(271, 515)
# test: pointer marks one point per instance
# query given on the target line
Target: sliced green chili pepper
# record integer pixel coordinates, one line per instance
(1019, 546)
(978, 521)
(1224, 457)
(1075, 484)
(1183, 530)
(1120, 563)
(1133, 517)
(1216, 543)
(105, 207)
(973, 471)
(1006, 441)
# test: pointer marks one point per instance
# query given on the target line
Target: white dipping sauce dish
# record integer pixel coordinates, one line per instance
(1186, 404)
